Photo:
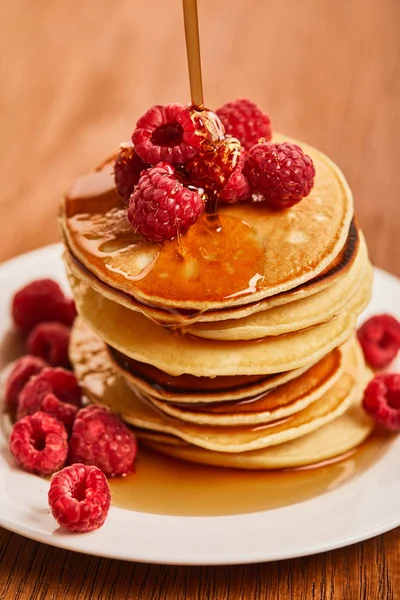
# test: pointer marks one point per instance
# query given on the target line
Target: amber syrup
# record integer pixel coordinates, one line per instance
(169, 486)
(191, 21)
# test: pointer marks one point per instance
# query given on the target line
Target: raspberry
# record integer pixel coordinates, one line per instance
(282, 173)
(101, 439)
(380, 340)
(69, 312)
(63, 411)
(57, 383)
(41, 301)
(24, 368)
(161, 207)
(219, 169)
(79, 498)
(50, 341)
(166, 133)
(244, 120)
(382, 400)
(127, 169)
(39, 443)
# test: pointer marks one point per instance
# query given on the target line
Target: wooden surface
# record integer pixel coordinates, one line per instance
(74, 78)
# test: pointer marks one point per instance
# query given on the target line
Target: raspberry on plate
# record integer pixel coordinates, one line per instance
(41, 301)
(166, 133)
(282, 173)
(24, 368)
(161, 207)
(79, 498)
(54, 382)
(50, 341)
(39, 443)
(382, 400)
(101, 439)
(244, 120)
(127, 169)
(379, 338)
(219, 169)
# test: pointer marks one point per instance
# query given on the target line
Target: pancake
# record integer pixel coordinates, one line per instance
(345, 267)
(334, 439)
(189, 389)
(278, 403)
(136, 337)
(101, 385)
(243, 438)
(256, 253)
(297, 315)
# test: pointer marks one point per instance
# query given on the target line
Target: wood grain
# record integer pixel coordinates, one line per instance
(74, 78)
(368, 571)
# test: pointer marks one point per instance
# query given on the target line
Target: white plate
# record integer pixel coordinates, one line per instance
(362, 508)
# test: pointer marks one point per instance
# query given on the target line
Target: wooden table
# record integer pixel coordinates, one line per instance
(74, 78)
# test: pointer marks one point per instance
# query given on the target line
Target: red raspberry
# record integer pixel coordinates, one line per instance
(166, 133)
(39, 443)
(219, 168)
(24, 368)
(382, 400)
(69, 312)
(282, 173)
(41, 391)
(244, 120)
(51, 342)
(161, 206)
(127, 169)
(79, 498)
(380, 340)
(41, 301)
(100, 438)
(63, 411)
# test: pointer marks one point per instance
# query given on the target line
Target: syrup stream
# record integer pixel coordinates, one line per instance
(193, 52)
(196, 90)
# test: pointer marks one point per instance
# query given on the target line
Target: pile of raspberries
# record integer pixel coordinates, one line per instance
(379, 338)
(53, 427)
(177, 160)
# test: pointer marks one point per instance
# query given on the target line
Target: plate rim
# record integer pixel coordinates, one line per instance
(72, 542)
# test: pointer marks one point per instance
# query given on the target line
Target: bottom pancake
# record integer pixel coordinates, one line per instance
(329, 441)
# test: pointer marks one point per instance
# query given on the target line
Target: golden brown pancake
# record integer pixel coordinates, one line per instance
(344, 268)
(135, 336)
(256, 253)
(101, 384)
(189, 389)
(277, 403)
(295, 316)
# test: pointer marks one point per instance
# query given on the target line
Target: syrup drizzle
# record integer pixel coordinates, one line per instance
(193, 52)
(195, 266)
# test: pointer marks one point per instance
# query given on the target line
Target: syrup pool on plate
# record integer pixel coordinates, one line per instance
(168, 486)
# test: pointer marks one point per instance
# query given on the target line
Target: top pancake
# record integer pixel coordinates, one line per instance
(257, 254)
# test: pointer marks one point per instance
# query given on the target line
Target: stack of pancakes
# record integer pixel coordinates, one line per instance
(233, 345)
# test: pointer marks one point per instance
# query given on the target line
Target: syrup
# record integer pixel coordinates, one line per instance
(199, 266)
(193, 52)
(168, 486)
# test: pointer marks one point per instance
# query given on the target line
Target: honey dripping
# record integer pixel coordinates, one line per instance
(196, 91)
(169, 486)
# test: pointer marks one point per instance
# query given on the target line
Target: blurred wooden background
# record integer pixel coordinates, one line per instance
(74, 77)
